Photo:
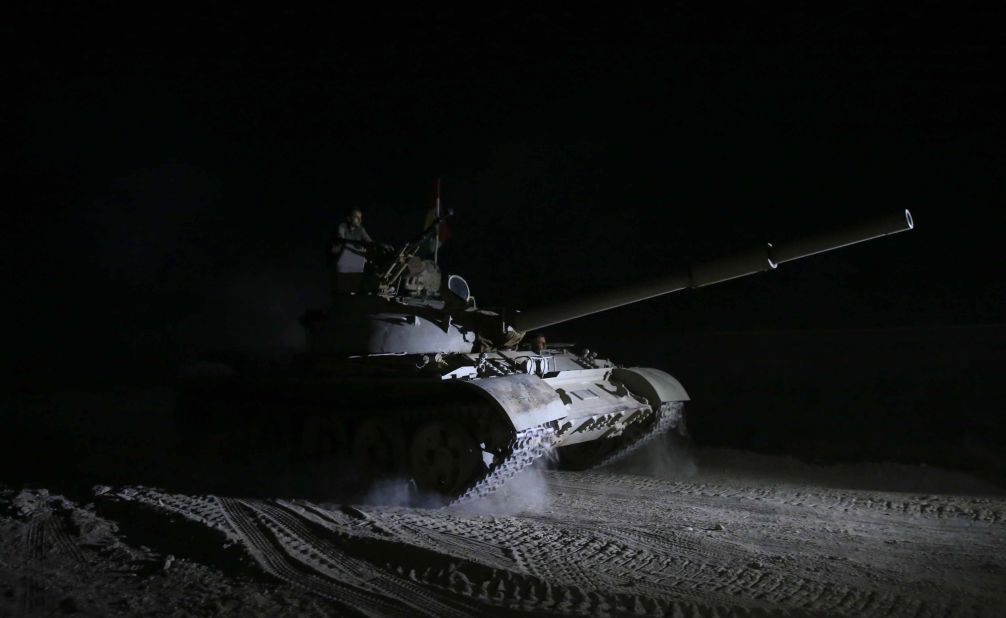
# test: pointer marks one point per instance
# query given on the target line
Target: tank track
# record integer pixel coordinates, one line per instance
(528, 446)
(521, 448)
(669, 415)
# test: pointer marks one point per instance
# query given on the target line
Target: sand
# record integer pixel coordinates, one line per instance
(676, 531)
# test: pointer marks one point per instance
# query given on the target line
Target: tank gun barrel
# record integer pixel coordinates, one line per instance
(714, 271)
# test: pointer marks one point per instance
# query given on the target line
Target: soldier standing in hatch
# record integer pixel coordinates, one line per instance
(347, 258)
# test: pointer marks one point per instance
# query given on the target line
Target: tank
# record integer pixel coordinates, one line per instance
(407, 378)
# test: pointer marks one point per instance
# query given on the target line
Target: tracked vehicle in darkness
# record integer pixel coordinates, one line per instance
(408, 378)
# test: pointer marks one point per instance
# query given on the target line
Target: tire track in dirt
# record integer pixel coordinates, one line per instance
(498, 587)
(770, 577)
(706, 571)
(269, 552)
(319, 547)
(423, 532)
(226, 516)
(654, 561)
(783, 585)
(46, 534)
(281, 547)
(31, 591)
(502, 589)
(59, 529)
(593, 558)
(609, 566)
(983, 509)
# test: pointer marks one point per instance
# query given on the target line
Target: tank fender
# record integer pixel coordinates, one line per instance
(527, 400)
(655, 385)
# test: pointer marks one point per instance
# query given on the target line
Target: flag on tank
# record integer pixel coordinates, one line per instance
(443, 232)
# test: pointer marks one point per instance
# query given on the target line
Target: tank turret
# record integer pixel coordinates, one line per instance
(406, 309)
(407, 377)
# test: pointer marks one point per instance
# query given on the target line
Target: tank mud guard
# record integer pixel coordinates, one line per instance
(658, 387)
(525, 399)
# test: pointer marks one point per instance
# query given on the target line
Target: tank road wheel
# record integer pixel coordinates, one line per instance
(444, 457)
(379, 447)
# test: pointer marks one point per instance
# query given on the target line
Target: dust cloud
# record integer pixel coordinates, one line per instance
(400, 492)
(668, 457)
(527, 493)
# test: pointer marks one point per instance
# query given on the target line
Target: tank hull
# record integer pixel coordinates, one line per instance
(448, 436)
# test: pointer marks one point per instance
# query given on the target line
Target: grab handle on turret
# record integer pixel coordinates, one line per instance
(398, 265)
(707, 273)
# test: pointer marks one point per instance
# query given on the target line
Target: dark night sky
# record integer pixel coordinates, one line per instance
(174, 174)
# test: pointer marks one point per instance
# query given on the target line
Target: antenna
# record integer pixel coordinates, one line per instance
(436, 235)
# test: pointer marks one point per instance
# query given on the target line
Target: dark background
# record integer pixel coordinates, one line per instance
(171, 178)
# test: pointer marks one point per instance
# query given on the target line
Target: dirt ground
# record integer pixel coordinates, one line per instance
(673, 532)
